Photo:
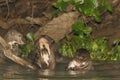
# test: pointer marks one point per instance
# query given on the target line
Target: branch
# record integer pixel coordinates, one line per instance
(11, 56)
(12, 22)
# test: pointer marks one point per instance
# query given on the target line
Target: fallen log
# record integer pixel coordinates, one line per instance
(58, 27)
(8, 53)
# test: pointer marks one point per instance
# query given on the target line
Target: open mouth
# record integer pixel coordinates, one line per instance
(81, 65)
(73, 65)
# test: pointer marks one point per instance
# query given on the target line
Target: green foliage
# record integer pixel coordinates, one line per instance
(98, 48)
(103, 5)
(115, 50)
(30, 36)
(27, 48)
(86, 7)
(81, 39)
(61, 5)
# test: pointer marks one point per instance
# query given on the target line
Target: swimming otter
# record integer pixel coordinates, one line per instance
(45, 54)
(81, 61)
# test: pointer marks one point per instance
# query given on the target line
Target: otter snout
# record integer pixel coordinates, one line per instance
(79, 65)
(73, 65)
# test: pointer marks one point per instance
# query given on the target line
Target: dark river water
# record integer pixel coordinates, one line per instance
(12, 71)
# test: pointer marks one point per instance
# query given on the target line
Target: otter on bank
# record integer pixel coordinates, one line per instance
(14, 38)
(45, 54)
(82, 61)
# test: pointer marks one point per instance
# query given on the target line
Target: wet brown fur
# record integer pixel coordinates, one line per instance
(39, 59)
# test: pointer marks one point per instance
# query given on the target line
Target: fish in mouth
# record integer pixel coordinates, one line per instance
(46, 58)
(81, 61)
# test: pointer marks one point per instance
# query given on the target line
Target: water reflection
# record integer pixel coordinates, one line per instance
(82, 72)
(46, 72)
(12, 71)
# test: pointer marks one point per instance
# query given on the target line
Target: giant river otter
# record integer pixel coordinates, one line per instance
(82, 61)
(45, 54)
(14, 38)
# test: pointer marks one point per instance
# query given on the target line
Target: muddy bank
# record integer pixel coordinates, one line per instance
(22, 18)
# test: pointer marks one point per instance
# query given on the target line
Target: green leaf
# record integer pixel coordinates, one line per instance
(118, 48)
(95, 2)
(110, 8)
(97, 17)
(29, 48)
(70, 52)
(66, 0)
(94, 46)
(30, 36)
(103, 2)
(79, 1)
(87, 30)
(61, 5)
(117, 41)
(55, 12)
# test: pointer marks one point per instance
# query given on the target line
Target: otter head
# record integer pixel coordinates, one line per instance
(14, 38)
(81, 61)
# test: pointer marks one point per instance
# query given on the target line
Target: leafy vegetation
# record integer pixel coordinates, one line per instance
(81, 33)
(27, 48)
(85, 7)
(81, 39)
(98, 48)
